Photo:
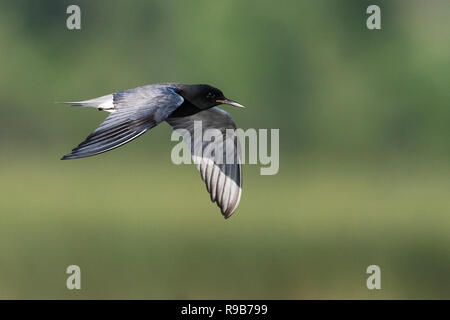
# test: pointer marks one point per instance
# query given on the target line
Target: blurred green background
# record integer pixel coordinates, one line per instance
(364, 173)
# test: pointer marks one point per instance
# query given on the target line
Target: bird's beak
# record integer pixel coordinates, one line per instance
(231, 103)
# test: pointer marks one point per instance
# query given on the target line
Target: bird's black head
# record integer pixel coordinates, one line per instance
(204, 96)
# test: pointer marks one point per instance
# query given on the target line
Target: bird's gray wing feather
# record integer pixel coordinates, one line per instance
(135, 111)
(223, 179)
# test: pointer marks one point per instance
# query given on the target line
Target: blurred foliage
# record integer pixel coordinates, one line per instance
(141, 229)
(310, 68)
(364, 172)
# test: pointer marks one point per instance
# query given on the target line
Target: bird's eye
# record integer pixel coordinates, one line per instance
(210, 95)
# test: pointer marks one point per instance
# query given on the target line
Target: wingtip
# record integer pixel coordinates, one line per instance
(227, 215)
(66, 157)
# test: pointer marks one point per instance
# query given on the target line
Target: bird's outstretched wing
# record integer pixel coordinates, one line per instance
(223, 178)
(134, 112)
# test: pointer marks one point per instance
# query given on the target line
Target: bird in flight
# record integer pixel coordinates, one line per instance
(134, 111)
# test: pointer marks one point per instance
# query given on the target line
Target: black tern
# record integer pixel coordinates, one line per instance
(134, 111)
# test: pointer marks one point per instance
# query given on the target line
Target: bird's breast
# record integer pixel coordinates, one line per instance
(184, 110)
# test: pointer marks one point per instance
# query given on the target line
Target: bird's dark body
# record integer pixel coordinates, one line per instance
(186, 109)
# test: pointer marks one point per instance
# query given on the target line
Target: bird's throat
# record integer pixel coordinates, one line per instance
(186, 109)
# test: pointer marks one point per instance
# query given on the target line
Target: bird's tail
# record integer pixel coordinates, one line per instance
(101, 103)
